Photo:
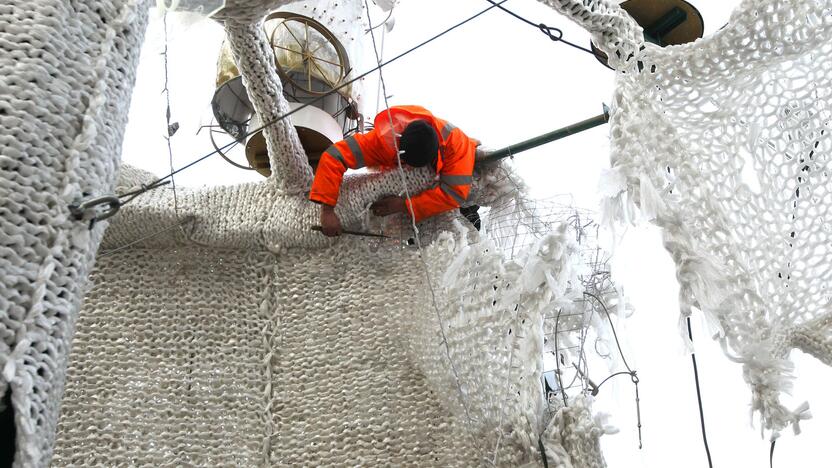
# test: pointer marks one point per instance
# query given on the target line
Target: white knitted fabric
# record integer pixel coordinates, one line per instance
(215, 351)
(227, 332)
(66, 73)
(725, 144)
(571, 439)
(208, 357)
(255, 60)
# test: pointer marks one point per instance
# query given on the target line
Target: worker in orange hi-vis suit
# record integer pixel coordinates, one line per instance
(422, 139)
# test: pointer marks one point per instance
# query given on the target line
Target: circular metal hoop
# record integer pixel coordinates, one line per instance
(301, 48)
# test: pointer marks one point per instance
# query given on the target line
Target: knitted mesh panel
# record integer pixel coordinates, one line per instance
(66, 72)
(493, 311)
(314, 356)
(168, 361)
(198, 356)
(349, 392)
(725, 144)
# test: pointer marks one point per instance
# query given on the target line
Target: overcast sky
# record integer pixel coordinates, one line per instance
(502, 81)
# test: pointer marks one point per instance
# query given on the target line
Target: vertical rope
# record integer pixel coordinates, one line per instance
(171, 128)
(380, 57)
(419, 242)
(699, 399)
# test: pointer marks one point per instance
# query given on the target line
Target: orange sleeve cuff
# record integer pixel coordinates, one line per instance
(323, 198)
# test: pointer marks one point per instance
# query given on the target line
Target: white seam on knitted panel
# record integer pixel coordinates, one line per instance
(89, 129)
(272, 309)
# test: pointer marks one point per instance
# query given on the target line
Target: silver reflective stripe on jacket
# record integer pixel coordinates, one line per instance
(456, 179)
(356, 151)
(451, 192)
(447, 129)
(336, 153)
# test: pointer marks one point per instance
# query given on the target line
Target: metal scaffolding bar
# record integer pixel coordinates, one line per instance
(546, 138)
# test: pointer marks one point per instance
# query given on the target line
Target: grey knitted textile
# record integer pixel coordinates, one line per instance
(66, 73)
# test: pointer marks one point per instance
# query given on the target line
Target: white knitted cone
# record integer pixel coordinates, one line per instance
(725, 143)
(290, 168)
(66, 73)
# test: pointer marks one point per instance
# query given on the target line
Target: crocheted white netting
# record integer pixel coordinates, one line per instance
(725, 143)
(66, 72)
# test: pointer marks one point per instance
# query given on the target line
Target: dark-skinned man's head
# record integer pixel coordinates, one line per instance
(419, 143)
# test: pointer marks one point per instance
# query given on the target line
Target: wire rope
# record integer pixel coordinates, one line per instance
(158, 182)
(552, 32)
(418, 241)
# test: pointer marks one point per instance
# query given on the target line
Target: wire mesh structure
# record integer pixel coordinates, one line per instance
(580, 338)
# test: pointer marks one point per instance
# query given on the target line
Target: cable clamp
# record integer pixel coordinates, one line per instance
(95, 209)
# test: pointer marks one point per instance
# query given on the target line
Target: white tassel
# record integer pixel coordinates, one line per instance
(713, 324)
(651, 202)
(611, 183)
(801, 413)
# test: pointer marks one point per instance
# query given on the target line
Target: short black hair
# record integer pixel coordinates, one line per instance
(419, 143)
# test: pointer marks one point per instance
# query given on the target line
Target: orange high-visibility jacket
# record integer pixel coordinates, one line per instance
(376, 148)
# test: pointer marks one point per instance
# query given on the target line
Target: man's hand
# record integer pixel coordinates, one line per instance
(330, 224)
(389, 205)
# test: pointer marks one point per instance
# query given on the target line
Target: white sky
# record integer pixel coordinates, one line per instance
(502, 81)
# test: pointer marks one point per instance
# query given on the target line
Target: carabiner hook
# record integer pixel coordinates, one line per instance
(89, 209)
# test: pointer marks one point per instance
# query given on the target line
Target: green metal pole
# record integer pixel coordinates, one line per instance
(668, 22)
(546, 138)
